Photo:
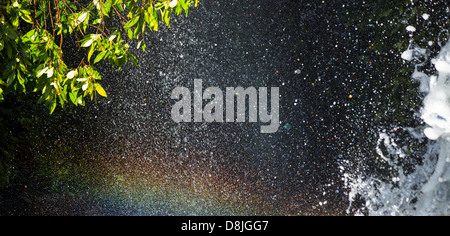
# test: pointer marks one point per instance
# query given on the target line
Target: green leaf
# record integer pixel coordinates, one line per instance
(11, 78)
(166, 18)
(9, 51)
(119, 6)
(154, 22)
(80, 100)
(52, 106)
(178, 9)
(2, 45)
(90, 90)
(1, 95)
(106, 7)
(98, 21)
(100, 56)
(25, 14)
(74, 97)
(63, 93)
(130, 33)
(100, 90)
(132, 22)
(15, 21)
(29, 36)
(62, 101)
(21, 80)
(41, 99)
(133, 59)
(91, 51)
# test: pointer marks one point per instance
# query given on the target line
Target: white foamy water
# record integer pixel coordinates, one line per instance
(426, 191)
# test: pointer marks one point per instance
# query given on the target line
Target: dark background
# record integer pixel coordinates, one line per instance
(308, 49)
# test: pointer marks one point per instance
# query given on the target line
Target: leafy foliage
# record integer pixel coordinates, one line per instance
(32, 35)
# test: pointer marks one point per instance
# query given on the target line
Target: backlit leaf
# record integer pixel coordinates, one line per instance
(100, 90)
(100, 56)
(52, 106)
(26, 16)
(73, 97)
(91, 51)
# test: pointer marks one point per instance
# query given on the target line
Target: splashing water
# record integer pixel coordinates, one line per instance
(426, 191)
